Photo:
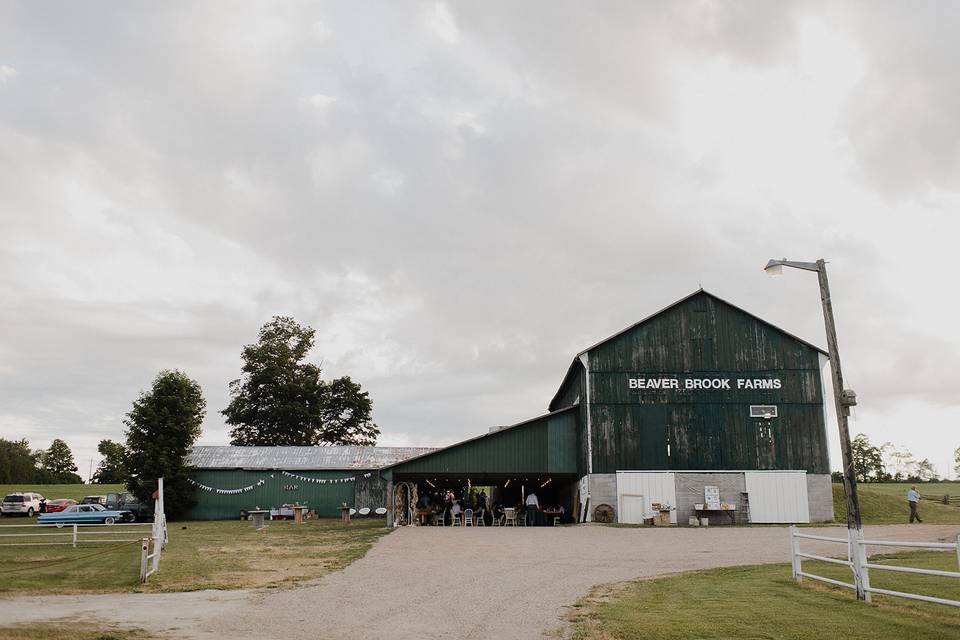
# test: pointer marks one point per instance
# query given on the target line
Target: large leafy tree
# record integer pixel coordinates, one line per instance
(280, 399)
(17, 464)
(113, 463)
(161, 429)
(868, 460)
(55, 465)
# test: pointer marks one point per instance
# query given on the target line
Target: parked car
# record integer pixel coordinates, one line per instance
(126, 501)
(21, 503)
(95, 500)
(59, 504)
(85, 514)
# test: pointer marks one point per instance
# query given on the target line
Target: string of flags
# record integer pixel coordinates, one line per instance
(262, 481)
(322, 480)
(229, 492)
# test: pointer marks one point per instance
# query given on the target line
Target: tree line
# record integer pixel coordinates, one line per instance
(890, 463)
(279, 399)
(53, 465)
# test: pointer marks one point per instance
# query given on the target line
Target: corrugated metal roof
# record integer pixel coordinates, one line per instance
(302, 458)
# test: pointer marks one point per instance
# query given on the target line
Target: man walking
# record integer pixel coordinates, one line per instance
(913, 498)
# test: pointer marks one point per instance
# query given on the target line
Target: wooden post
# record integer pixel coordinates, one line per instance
(144, 548)
(794, 550)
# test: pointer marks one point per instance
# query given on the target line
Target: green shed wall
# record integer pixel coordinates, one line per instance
(544, 445)
(704, 337)
(323, 498)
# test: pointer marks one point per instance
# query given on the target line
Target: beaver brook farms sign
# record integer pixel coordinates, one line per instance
(704, 383)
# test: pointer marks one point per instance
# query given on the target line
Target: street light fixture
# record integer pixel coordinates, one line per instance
(844, 399)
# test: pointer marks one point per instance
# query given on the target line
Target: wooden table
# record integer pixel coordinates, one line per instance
(298, 514)
(550, 514)
(258, 517)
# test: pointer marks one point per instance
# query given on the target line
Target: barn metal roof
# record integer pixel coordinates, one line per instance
(301, 458)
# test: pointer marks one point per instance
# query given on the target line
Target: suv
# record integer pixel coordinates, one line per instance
(127, 502)
(22, 503)
(95, 500)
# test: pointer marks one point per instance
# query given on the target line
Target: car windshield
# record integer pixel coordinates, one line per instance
(97, 507)
(13, 499)
(71, 509)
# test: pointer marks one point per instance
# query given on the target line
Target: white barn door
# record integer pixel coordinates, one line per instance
(637, 490)
(778, 496)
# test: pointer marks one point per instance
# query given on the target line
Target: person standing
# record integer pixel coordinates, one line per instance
(533, 509)
(913, 498)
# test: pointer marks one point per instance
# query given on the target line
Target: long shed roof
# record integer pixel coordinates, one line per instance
(300, 458)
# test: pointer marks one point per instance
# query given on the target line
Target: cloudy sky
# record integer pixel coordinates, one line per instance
(461, 196)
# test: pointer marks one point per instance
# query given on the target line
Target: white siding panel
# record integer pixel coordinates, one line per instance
(653, 486)
(778, 496)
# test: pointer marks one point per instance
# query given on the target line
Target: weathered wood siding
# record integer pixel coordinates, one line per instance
(704, 337)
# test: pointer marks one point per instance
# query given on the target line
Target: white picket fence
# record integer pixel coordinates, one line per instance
(858, 559)
(147, 534)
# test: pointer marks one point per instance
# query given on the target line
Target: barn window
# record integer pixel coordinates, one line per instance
(763, 411)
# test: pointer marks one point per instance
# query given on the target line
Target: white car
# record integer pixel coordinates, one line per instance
(26, 504)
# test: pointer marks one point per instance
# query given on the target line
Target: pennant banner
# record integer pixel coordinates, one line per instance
(228, 492)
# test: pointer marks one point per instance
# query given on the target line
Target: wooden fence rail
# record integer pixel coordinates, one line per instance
(859, 563)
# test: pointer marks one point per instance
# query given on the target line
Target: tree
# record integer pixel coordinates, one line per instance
(17, 464)
(346, 414)
(161, 429)
(113, 463)
(867, 459)
(55, 465)
(900, 462)
(281, 399)
(926, 472)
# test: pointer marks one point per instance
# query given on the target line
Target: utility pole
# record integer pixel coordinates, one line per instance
(843, 400)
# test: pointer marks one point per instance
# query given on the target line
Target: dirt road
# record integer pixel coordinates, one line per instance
(450, 583)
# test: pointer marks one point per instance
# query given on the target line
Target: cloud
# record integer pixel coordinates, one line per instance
(462, 197)
(6, 74)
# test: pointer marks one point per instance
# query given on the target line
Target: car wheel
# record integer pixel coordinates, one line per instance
(109, 520)
(30, 512)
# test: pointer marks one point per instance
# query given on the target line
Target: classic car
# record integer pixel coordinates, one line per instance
(85, 514)
(59, 504)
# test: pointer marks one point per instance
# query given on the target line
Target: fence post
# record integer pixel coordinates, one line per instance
(958, 550)
(857, 552)
(144, 546)
(794, 550)
(74, 535)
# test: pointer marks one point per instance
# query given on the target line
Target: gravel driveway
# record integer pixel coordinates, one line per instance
(451, 583)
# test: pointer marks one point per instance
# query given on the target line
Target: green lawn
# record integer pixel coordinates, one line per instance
(763, 602)
(69, 632)
(54, 491)
(200, 555)
(886, 503)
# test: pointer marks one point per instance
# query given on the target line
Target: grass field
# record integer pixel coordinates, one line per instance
(54, 491)
(764, 602)
(69, 632)
(200, 555)
(886, 503)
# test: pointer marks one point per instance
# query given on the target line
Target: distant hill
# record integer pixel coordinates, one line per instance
(886, 503)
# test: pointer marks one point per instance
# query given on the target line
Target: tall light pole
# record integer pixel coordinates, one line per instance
(843, 399)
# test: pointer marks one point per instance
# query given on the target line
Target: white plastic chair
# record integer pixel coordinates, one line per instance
(456, 519)
(364, 512)
(381, 511)
(509, 517)
(468, 518)
(353, 512)
(481, 516)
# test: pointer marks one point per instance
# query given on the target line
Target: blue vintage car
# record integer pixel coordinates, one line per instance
(85, 514)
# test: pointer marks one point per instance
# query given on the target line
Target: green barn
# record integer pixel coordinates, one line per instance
(701, 411)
